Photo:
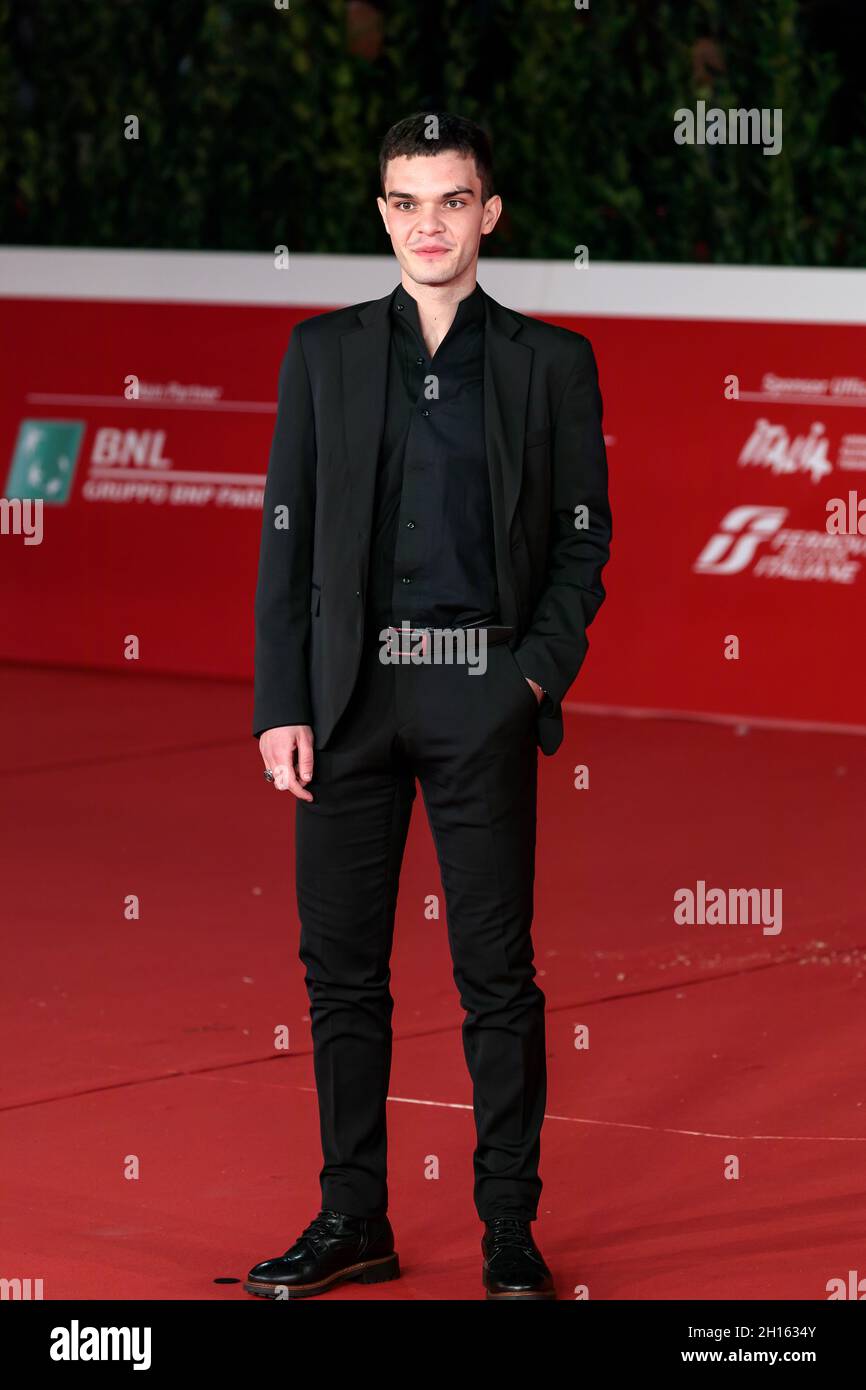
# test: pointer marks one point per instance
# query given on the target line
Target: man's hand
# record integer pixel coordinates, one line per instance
(536, 689)
(279, 748)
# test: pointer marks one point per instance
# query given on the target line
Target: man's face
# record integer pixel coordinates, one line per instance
(433, 213)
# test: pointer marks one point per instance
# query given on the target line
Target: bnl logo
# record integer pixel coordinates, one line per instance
(43, 463)
(733, 547)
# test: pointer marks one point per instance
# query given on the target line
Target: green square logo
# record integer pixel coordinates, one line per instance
(43, 464)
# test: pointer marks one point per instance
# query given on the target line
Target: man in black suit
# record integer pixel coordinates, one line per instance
(437, 475)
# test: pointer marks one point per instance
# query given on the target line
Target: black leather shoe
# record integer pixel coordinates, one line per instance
(333, 1249)
(513, 1267)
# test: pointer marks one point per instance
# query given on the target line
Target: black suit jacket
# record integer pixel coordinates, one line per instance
(547, 462)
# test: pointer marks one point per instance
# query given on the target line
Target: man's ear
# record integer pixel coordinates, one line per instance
(490, 217)
(383, 208)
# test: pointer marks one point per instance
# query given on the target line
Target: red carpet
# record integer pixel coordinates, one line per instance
(154, 1038)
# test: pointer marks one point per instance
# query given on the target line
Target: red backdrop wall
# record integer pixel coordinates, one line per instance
(719, 503)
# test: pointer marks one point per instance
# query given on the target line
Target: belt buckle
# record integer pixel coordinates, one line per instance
(410, 635)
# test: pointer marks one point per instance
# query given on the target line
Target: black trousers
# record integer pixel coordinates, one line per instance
(470, 742)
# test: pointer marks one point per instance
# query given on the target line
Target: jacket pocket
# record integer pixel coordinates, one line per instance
(527, 688)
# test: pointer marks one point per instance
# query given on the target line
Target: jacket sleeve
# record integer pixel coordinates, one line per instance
(282, 601)
(555, 644)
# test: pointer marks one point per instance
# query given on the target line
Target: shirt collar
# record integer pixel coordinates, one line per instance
(469, 310)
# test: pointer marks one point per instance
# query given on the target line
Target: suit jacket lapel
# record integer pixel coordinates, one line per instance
(364, 368)
(507, 367)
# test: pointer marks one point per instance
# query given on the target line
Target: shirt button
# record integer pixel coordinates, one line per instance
(425, 413)
(410, 526)
(404, 580)
(399, 306)
(419, 361)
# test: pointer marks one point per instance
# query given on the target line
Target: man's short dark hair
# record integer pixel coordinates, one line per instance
(434, 132)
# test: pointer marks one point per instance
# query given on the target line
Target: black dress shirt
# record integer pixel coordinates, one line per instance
(432, 560)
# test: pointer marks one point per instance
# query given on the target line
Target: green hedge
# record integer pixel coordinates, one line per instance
(260, 126)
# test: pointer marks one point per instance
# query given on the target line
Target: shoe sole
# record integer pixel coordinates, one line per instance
(369, 1272)
(542, 1296)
